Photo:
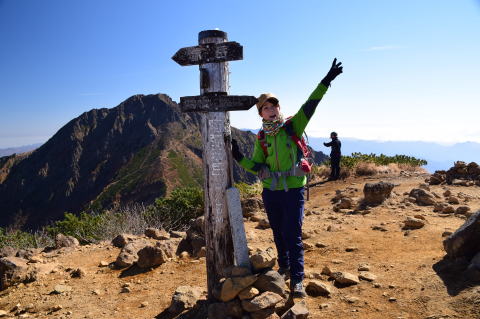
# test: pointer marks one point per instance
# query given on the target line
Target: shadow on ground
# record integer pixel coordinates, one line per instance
(455, 275)
(199, 311)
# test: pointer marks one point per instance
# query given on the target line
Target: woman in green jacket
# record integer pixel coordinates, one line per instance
(276, 160)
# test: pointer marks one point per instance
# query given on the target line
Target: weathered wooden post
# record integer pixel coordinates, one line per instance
(222, 203)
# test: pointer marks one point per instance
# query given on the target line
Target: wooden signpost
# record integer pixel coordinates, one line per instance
(224, 231)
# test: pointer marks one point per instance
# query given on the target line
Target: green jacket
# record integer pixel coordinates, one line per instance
(282, 151)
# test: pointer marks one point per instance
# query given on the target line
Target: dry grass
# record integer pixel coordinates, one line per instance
(366, 169)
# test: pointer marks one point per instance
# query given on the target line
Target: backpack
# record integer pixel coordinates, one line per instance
(304, 156)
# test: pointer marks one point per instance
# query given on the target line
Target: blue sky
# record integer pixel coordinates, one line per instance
(411, 68)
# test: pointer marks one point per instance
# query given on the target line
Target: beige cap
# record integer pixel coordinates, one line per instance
(263, 98)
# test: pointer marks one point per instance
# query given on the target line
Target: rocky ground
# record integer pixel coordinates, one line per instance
(395, 248)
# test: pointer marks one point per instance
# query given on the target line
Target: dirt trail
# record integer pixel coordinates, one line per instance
(407, 285)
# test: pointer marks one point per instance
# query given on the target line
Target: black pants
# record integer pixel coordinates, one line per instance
(285, 214)
(335, 166)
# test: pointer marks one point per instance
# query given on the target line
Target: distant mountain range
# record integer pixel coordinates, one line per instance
(18, 150)
(438, 156)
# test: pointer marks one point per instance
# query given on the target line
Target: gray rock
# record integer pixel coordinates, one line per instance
(129, 254)
(298, 311)
(462, 210)
(123, 239)
(465, 241)
(7, 251)
(185, 297)
(376, 193)
(345, 278)
(65, 241)
(449, 209)
(422, 197)
(248, 293)
(60, 289)
(156, 233)
(413, 223)
(231, 287)
(152, 256)
(317, 288)
(263, 259)
(368, 276)
(178, 234)
(453, 200)
(15, 270)
(271, 281)
(267, 299)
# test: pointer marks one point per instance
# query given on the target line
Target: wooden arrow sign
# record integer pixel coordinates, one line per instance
(209, 53)
(216, 103)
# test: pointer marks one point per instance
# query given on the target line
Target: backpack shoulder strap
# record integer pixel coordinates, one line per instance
(263, 142)
(301, 144)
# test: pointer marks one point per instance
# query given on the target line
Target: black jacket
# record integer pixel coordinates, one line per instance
(335, 144)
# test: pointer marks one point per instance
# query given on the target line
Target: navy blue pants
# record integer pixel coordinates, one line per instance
(285, 215)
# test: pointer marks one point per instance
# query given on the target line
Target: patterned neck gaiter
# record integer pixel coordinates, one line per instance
(273, 127)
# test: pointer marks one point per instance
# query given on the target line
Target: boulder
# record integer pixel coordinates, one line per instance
(317, 288)
(263, 259)
(422, 197)
(449, 209)
(250, 206)
(123, 239)
(155, 233)
(271, 281)
(248, 293)
(231, 287)
(15, 270)
(266, 300)
(376, 193)
(152, 256)
(129, 254)
(462, 210)
(185, 297)
(413, 223)
(439, 207)
(453, 200)
(7, 251)
(366, 275)
(298, 311)
(65, 241)
(465, 241)
(437, 178)
(345, 279)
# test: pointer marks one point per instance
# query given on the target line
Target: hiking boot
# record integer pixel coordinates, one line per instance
(284, 272)
(297, 290)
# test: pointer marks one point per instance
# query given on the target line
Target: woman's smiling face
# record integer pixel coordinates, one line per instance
(270, 112)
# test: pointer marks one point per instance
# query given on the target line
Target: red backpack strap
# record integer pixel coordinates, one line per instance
(263, 142)
(301, 144)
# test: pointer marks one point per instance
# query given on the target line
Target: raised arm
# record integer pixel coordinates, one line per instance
(303, 116)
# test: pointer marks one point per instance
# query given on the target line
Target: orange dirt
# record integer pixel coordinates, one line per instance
(404, 263)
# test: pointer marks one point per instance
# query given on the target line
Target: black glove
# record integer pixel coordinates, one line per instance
(335, 70)
(237, 155)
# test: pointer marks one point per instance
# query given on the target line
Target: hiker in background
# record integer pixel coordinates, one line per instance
(277, 161)
(335, 155)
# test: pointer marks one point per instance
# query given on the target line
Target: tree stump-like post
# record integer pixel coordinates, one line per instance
(218, 163)
(222, 202)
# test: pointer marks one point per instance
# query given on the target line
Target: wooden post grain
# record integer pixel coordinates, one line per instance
(217, 163)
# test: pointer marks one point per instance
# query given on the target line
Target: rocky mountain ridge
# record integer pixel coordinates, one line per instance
(134, 152)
